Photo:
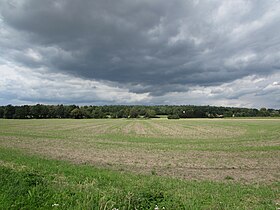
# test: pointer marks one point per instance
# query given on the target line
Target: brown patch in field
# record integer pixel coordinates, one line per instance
(137, 128)
(262, 143)
(80, 144)
(180, 130)
(196, 165)
(140, 129)
(96, 129)
(166, 130)
(127, 128)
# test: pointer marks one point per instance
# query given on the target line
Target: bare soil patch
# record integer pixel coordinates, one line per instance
(196, 165)
(181, 130)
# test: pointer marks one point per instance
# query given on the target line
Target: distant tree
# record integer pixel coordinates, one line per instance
(142, 111)
(61, 111)
(52, 111)
(199, 113)
(275, 113)
(161, 110)
(150, 113)
(76, 113)
(44, 111)
(86, 112)
(22, 112)
(134, 113)
(9, 112)
(252, 112)
(123, 113)
(263, 112)
(68, 109)
(1, 112)
(173, 116)
(189, 113)
(119, 111)
(228, 114)
(98, 113)
(36, 111)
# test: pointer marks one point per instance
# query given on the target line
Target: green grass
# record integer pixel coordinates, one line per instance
(29, 182)
(138, 164)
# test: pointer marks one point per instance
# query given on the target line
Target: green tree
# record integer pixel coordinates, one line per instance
(173, 116)
(263, 112)
(85, 111)
(275, 113)
(9, 112)
(22, 112)
(150, 113)
(1, 112)
(67, 110)
(123, 113)
(98, 113)
(36, 111)
(76, 113)
(133, 112)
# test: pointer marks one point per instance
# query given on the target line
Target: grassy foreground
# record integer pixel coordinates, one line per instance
(29, 182)
(138, 164)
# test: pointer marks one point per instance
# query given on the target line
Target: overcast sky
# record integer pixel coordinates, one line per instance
(148, 52)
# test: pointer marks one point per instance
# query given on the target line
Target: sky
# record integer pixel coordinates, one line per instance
(150, 52)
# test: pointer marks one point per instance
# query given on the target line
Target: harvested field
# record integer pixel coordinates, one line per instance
(246, 150)
(140, 164)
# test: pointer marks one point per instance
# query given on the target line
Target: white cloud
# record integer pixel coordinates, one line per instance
(231, 10)
(21, 85)
(33, 55)
(251, 91)
(250, 27)
(40, 86)
(240, 61)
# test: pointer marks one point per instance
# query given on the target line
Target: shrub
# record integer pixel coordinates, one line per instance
(173, 116)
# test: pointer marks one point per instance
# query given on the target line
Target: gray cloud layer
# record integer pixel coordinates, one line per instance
(145, 46)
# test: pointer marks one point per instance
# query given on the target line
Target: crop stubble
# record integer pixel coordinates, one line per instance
(187, 149)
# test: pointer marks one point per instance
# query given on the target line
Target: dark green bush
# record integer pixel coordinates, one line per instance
(173, 116)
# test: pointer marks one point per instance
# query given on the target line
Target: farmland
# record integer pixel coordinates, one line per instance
(128, 164)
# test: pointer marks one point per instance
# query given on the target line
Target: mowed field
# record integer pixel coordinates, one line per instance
(138, 164)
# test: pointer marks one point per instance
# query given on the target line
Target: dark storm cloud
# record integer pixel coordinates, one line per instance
(150, 46)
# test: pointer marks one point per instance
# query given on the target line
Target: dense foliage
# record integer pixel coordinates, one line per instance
(40, 111)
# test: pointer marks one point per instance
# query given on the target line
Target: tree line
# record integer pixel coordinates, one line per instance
(40, 111)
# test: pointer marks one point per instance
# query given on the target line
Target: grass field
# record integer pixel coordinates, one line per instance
(138, 164)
